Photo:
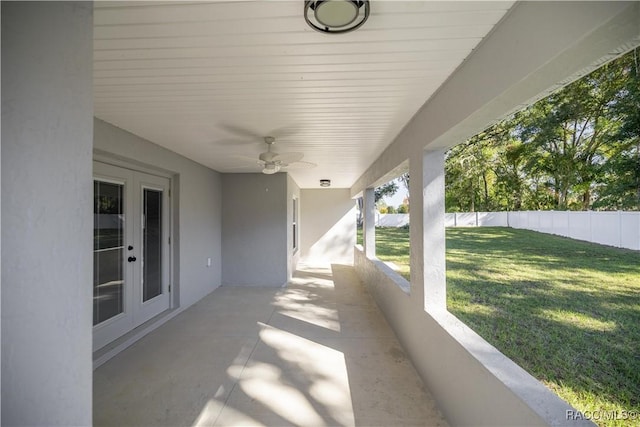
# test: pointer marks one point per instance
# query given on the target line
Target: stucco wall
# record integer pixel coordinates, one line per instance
(254, 229)
(47, 122)
(473, 383)
(327, 226)
(197, 201)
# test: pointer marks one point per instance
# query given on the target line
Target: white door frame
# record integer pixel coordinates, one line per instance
(136, 311)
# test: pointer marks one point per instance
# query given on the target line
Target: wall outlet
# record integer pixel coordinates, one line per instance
(208, 262)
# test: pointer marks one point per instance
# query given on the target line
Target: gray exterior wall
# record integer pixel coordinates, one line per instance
(197, 213)
(47, 109)
(254, 229)
(327, 226)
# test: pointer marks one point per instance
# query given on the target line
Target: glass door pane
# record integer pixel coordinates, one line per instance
(108, 250)
(132, 256)
(152, 244)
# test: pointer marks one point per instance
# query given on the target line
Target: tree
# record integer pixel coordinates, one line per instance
(568, 135)
(388, 189)
(404, 178)
(622, 171)
(622, 192)
(469, 176)
(579, 148)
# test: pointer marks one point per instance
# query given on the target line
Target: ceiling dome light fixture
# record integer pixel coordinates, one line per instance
(335, 16)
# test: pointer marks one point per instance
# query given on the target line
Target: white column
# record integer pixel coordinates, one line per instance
(369, 229)
(428, 271)
(47, 220)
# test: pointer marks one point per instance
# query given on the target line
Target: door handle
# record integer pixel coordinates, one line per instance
(131, 259)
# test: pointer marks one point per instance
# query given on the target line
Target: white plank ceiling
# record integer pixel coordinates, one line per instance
(209, 79)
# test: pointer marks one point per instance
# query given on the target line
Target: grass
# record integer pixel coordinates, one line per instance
(393, 242)
(566, 311)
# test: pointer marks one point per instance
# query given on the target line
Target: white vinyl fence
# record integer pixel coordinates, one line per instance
(619, 229)
(392, 220)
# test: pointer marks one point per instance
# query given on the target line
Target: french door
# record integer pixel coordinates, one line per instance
(131, 250)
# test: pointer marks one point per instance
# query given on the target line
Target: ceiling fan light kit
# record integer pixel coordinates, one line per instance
(272, 162)
(270, 168)
(336, 16)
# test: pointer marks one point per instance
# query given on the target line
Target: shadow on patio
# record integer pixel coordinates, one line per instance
(313, 354)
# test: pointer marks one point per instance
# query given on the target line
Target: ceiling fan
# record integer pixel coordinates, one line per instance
(271, 162)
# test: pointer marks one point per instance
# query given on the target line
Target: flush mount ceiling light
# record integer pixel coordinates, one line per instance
(325, 183)
(336, 16)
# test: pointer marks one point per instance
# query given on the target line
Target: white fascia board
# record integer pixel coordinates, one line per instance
(537, 48)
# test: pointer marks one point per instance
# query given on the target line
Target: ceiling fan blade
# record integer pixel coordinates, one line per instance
(288, 157)
(300, 165)
(249, 168)
(235, 142)
(243, 132)
(284, 131)
(245, 159)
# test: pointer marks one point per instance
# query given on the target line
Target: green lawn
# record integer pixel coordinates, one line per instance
(566, 311)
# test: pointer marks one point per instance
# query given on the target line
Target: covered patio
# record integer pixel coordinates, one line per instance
(145, 131)
(317, 352)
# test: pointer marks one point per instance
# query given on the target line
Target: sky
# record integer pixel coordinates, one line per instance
(396, 199)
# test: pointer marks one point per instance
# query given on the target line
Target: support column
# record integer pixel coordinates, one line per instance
(47, 219)
(428, 270)
(369, 229)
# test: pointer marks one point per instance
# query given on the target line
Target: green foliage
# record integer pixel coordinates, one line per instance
(388, 189)
(622, 177)
(404, 178)
(470, 180)
(577, 149)
(403, 209)
(567, 311)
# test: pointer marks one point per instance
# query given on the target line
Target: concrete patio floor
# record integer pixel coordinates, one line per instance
(316, 353)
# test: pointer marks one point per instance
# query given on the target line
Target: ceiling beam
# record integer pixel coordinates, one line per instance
(537, 48)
